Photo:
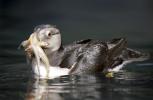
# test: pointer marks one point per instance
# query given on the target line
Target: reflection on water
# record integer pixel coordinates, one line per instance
(16, 83)
(92, 87)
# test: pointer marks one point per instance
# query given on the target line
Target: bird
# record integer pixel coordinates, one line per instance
(50, 58)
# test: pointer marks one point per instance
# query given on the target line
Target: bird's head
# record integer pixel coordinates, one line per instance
(49, 36)
(45, 37)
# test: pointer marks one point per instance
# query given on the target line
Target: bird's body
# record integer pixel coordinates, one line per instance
(87, 56)
(84, 56)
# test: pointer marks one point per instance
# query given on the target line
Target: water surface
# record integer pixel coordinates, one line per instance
(134, 82)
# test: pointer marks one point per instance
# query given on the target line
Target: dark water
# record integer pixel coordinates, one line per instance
(16, 83)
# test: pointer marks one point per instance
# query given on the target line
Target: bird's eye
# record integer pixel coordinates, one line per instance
(49, 34)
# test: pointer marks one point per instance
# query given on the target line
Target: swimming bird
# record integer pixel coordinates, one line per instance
(50, 59)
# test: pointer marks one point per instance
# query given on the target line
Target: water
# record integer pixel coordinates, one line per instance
(16, 82)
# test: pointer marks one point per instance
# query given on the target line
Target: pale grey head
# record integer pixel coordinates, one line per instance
(50, 35)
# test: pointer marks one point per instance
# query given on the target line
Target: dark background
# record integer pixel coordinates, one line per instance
(78, 19)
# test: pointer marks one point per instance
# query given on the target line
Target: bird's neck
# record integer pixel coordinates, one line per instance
(54, 55)
(55, 43)
(50, 52)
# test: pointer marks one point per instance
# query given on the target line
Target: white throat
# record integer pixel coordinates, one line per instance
(55, 42)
